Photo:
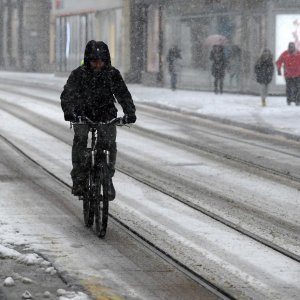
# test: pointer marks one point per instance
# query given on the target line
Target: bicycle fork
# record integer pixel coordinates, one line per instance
(107, 154)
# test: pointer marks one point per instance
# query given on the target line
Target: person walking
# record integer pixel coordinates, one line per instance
(290, 59)
(234, 65)
(90, 92)
(172, 59)
(217, 56)
(264, 70)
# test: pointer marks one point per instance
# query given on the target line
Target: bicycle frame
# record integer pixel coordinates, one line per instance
(96, 165)
(95, 199)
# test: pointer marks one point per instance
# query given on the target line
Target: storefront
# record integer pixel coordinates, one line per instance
(192, 26)
(24, 39)
(78, 22)
(11, 34)
(284, 23)
(246, 27)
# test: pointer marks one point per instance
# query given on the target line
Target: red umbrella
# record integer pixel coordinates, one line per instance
(215, 39)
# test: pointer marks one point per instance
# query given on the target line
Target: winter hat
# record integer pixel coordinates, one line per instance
(96, 50)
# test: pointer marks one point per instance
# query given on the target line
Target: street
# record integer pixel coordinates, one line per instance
(220, 200)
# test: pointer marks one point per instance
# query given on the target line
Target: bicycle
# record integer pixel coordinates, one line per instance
(95, 197)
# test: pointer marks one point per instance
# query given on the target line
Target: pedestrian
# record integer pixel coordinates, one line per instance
(217, 56)
(172, 59)
(291, 61)
(264, 70)
(90, 92)
(234, 65)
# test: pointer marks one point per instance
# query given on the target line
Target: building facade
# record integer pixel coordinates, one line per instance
(52, 34)
(77, 22)
(24, 28)
(246, 27)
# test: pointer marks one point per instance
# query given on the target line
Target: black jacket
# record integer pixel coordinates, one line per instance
(173, 55)
(92, 94)
(264, 70)
(217, 56)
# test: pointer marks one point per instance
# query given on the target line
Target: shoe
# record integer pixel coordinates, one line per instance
(77, 191)
(78, 188)
(111, 190)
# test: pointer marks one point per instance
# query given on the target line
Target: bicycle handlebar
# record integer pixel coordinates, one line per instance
(85, 120)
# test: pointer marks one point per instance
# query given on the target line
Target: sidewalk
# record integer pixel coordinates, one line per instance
(241, 110)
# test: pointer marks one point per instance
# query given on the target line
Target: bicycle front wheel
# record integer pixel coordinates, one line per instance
(101, 212)
(88, 204)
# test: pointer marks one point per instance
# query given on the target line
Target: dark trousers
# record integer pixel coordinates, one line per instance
(106, 140)
(218, 84)
(293, 90)
(173, 80)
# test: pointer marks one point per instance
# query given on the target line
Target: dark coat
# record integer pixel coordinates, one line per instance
(264, 70)
(92, 94)
(217, 56)
(173, 55)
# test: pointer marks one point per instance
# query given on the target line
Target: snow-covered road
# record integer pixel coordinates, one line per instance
(39, 213)
(243, 109)
(236, 263)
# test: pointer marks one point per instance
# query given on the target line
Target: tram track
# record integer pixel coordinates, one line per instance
(221, 294)
(63, 135)
(235, 126)
(196, 146)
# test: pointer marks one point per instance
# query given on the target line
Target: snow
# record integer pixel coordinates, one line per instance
(27, 295)
(30, 259)
(243, 109)
(6, 252)
(26, 280)
(74, 296)
(240, 108)
(65, 295)
(9, 282)
(33, 259)
(26, 259)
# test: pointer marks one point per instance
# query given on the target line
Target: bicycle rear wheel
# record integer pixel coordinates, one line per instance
(88, 212)
(101, 212)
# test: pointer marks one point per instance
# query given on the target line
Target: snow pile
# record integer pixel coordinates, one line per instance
(243, 109)
(65, 295)
(11, 236)
(237, 108)
(26, 280)
(27, 295)
(27, 259)
(9, 282)
(51, 270)
(6, 252)
(30, 259)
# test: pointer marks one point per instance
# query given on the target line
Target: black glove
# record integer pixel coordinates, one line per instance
(129, 119)
(279, 72)
(70, 116)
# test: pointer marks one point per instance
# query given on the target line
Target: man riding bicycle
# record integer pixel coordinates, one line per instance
(90, 92)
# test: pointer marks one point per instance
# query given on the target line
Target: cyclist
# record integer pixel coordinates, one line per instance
(90, 91)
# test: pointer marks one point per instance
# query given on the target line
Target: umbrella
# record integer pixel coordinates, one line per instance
(215, 39)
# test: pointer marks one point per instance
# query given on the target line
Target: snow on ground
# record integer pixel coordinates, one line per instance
(237, 107)
(9, 240)
(245, 109)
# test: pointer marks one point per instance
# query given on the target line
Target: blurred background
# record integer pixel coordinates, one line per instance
(50, 36)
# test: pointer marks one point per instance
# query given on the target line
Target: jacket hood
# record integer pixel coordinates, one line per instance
(96, 50)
